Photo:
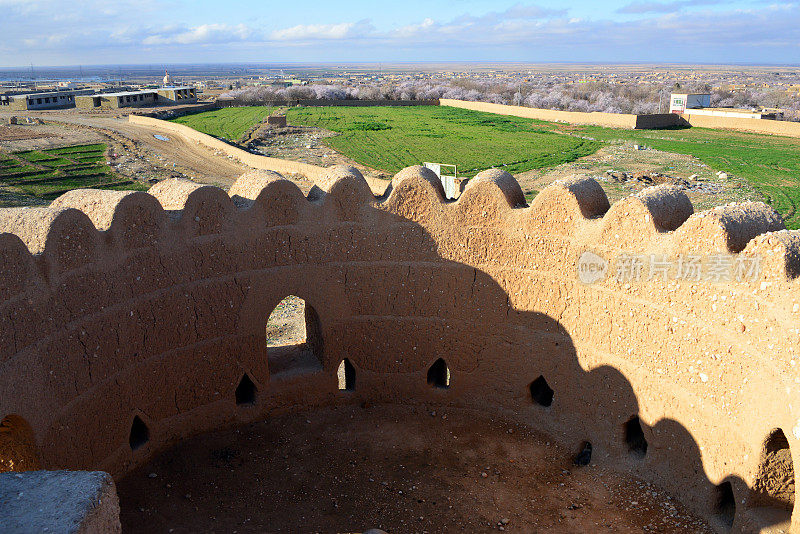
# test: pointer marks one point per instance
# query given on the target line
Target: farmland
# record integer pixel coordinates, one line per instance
(40, 176)
(390, 138)
(226, 123)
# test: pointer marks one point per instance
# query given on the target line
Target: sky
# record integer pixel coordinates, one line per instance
(91, 32)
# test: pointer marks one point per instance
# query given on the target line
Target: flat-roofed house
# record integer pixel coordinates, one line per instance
(177, 95)
(680, 102)
(38, 101)
(125, 99)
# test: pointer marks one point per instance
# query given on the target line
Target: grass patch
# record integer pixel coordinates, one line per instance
(391, 138)
(530, 195)
(226, 123)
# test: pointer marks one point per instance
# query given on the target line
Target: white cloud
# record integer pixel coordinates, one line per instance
(305, 32)
(88, 31)
(203, 34)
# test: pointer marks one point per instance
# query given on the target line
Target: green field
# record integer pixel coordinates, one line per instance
(41, 175)
(391, 138)
(226, 123)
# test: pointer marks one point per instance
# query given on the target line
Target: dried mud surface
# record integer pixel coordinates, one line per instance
(705, 191)
(401, 469)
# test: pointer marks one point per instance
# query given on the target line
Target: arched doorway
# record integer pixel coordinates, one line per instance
(294, 339)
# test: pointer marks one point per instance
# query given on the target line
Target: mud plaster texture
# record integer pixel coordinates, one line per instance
(129, 321)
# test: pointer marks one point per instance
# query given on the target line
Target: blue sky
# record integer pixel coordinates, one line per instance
(71, 32)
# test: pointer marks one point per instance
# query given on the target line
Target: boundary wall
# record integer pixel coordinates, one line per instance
(130, 321)
(610, 120)
(638, 122)
(761, 126)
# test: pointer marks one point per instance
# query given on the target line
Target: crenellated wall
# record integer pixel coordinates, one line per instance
(129, 320)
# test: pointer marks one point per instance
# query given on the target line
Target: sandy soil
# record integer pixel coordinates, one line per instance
(402, 469)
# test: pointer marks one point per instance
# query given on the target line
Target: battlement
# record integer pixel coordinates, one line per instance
(132, 314)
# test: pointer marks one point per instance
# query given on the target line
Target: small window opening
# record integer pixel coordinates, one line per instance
(584, 457)
(634, 437)
(140, 434)
(346, 375)
(725, 505)
(246, 392)
(439, 374)
(541, 393)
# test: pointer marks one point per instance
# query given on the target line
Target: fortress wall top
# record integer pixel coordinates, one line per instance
(123, 311)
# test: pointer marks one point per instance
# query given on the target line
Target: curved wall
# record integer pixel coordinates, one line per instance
(125, 305)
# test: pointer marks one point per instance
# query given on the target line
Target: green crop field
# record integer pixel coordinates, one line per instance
(227, 123)
(35, 176)
(391, 138)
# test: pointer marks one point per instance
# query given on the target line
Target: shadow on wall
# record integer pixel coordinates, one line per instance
(474, 350)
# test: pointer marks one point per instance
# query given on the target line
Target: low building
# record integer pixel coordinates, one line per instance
(125, 99)
(177, 95)
(39, 101)
(130, 99)
(680, 102)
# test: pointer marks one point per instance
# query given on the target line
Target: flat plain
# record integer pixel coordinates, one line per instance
(388, 139)
(391, 138)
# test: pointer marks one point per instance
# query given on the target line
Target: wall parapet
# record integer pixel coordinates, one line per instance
(128, 319)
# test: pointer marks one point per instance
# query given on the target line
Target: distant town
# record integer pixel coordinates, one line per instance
(769, 92)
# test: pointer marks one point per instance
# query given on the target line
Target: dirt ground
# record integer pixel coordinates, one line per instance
(301, 143)
(706, 190)
(401, 469)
